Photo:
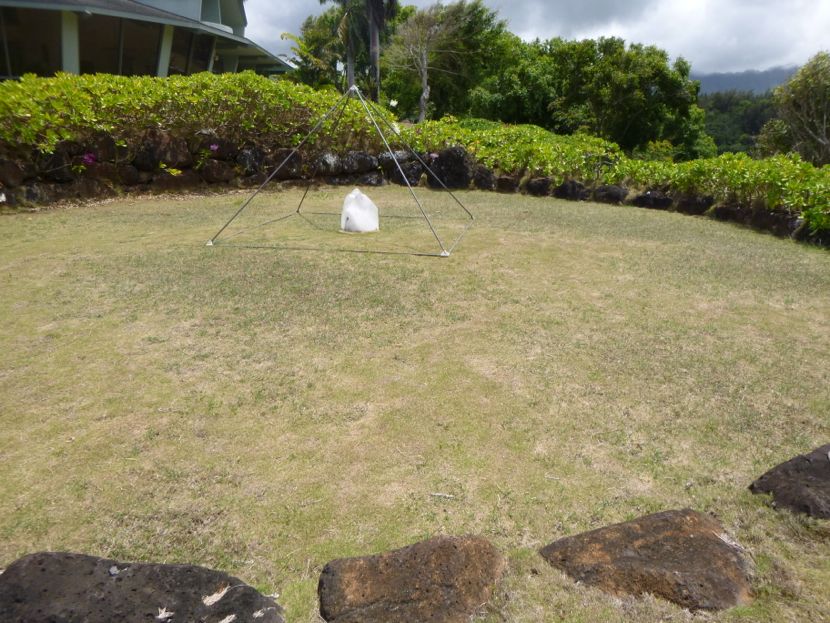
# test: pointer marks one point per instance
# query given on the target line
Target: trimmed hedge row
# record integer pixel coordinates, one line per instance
(39, 114)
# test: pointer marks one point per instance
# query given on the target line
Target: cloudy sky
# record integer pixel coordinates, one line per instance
(714, 35)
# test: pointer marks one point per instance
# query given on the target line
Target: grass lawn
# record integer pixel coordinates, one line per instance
(263, 411)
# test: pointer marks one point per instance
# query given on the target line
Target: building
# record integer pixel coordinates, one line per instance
(128, 37)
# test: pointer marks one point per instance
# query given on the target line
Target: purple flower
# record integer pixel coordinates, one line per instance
(214, 148)
(89, 158)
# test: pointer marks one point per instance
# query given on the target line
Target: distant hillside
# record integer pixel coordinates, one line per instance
(752, 80)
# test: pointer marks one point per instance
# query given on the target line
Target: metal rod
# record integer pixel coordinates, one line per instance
(281, 165)
(400, 169)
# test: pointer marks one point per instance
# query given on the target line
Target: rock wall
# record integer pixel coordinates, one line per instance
(162, 162)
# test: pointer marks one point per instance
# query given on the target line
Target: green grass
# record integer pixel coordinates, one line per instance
(265, 410)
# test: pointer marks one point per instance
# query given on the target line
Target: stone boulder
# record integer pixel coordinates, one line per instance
(682, 556)
(183, 180)
(387, 162)
(158, 146)
(538, 186)
(801, 484)
(11, 174)
(484, 178)
(442, 580)
(289, 161)
(327, 164)
(250, 159)
(572, 191)
(609, 193)
(654, 199)
(51, 587)
(507, 184)
(358, 162)
(452, 166)
(694, 204)
(217, 171)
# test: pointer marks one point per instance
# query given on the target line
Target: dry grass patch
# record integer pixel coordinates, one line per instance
(264, 411)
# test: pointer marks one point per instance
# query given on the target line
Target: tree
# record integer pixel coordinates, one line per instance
(627, 94)
(456, 63)
(377, 12)
(803, 105)
(330, 40)
(419, 45)
(734, 119)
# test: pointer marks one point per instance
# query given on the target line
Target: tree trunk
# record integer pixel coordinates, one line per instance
(350, 64)
(374, 50)
(424, 71)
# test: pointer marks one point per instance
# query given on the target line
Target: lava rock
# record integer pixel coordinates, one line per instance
(358, 162)
(208, 144)
(217, 171)
(442, 580)
(250, 158)
(159, 146)
(49, 587)
(104, 171)
(572, 191)
(290, 164)
(801, 484)
(484, 178)
(181, 181)
(694, 204)
(11, 174)
(453, 167)
(538, 186)
(327, 164)
(507, 184)
(387, 162)
(57, 167)
(682, 556)
(609, 193)
(412, 172)
(654, 199)
(102, 146)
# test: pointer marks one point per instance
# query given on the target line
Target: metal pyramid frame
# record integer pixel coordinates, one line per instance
(373, 114)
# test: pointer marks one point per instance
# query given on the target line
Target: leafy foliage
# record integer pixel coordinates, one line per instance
(41, 112)
(804, 105)
(244, 108)
(626, 94)
(734, 119)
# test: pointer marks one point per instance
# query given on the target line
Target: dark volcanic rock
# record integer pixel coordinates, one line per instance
(184, 180)
(682, 556)
(358, 162)
(654, 199)
(57, 167)
(250, 158)
(11, 174)
(484, 178)
(290, 164)
(442, 580)
(210, 145)
(102, 146)
(375, 178)
(802, 484)
(65, 588)
(216, 171)
(453, 167)
(572, 191)
(694, 204)
(327, 164)
(608, 193)
(387, 162)
(538, 186)
(507, 184)
(412, 171)
(159, 146)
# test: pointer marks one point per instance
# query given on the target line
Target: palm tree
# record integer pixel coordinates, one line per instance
(349, 33)
(377, 12)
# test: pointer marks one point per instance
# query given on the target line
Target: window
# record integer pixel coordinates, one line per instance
(33, 41)
(142, 41)
(100, 43)
(118, 46)
(190, 52)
